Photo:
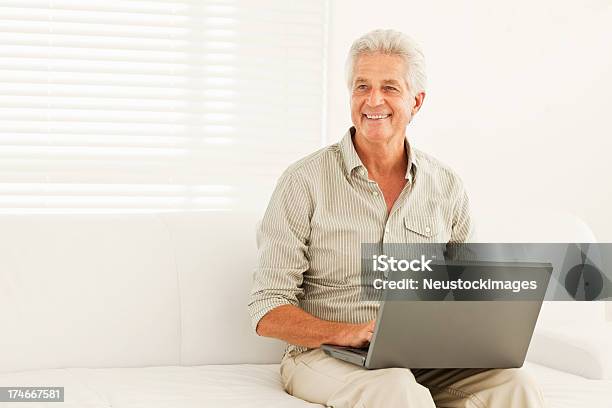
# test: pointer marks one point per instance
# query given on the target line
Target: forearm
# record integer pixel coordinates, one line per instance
(295, 326)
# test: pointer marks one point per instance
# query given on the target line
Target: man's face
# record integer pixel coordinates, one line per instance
(381, 104)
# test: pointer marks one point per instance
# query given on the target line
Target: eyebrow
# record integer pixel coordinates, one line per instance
(386, 81)
(391, 82)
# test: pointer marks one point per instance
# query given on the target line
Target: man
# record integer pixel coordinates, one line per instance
(372, 186)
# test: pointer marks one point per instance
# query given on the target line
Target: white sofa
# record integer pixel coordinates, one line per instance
(149, 310)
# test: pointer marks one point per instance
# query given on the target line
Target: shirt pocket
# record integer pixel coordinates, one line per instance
(421, 229)
(428, 235)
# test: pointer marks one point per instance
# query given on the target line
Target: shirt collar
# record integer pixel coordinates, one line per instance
(352, 161)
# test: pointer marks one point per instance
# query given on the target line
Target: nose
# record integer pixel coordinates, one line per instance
(375, 97)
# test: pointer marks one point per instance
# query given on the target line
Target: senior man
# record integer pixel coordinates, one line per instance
(372, 186)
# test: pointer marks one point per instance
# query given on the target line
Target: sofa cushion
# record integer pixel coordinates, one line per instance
(245, 386)
(248, 386)
(565, 390)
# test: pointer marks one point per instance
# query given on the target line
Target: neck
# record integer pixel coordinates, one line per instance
(382, 159)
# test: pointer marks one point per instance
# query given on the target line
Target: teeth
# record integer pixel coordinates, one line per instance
(376, 116)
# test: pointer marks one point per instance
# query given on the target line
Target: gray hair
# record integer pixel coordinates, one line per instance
(391, 42)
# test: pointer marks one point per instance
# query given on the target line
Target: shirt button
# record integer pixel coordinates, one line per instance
(374, 193)
(427, 229)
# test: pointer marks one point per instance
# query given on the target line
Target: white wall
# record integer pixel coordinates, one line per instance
(518, 99)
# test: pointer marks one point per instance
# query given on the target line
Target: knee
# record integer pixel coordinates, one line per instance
(520, 381)
(395, 378)
(397, 387)
(519, 377)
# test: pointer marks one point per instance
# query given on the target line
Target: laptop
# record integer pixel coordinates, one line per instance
(461, 331)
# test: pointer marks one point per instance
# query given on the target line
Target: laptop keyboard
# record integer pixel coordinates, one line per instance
(360, 351)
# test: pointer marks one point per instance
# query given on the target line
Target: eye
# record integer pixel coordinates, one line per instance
(361, 87)
(391, 88)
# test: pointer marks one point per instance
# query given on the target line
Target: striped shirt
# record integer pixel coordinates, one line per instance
(323, 207)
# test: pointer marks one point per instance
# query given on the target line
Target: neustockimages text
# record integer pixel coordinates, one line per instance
(384, 263)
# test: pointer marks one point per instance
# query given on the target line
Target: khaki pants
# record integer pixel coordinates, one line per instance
(315, 377)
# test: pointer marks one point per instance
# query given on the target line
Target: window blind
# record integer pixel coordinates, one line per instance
(155, 105)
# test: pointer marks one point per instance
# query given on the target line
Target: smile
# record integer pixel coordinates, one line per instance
(384, 116)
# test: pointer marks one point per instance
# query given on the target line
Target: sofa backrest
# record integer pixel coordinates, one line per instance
(542, 225)
(215, 259)
(135, 290)
(87, 291)
(127, 290)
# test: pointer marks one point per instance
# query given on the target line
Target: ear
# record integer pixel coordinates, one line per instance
(418, 102)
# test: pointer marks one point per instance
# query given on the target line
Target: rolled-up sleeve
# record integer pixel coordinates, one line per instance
(282, 243)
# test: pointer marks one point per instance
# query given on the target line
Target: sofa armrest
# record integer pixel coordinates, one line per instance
(584, 350)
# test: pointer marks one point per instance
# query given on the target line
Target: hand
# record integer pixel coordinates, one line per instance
(357, 335)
